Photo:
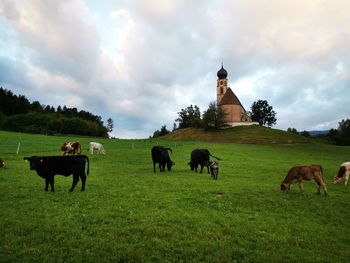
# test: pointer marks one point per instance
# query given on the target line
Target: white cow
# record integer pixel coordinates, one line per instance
(96, 146)
(343, 173)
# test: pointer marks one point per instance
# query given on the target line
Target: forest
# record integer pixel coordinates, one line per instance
(18, 114)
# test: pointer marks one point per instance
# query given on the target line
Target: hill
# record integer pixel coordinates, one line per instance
(241, 134)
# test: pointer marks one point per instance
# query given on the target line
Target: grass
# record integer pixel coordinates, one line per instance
(130, 214)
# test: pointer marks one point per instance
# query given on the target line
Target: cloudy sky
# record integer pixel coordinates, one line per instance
(139, 62)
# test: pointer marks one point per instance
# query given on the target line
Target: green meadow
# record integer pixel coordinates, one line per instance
(130, 214)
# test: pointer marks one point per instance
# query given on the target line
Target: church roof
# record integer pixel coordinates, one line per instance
(230, 98)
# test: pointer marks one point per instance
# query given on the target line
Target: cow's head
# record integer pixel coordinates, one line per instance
(285, 187)
(169, 164)
(191, 164)
(34, 161)
(340, 176)
(2, 163)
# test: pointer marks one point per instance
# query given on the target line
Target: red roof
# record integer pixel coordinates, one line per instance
(230, 98)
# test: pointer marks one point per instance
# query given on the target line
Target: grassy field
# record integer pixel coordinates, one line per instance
(130, 214)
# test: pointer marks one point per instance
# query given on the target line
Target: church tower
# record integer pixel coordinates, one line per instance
(221, 84)
(235, 114)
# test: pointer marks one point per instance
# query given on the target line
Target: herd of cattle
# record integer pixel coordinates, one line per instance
(72, 162)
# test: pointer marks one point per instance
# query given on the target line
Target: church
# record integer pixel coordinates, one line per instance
(236, 115)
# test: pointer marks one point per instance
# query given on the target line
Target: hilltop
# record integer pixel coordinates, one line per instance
(241, 134)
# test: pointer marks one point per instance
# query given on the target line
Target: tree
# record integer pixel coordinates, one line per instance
(174, 127)
(189, 117)
(161, 132)
(110, 125)
(292, 130)
(213, 117)
(332, 134)
(343, 136)
(305, 134)
(263, 113)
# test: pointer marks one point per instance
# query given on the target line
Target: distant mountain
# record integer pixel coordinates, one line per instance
(319, 133)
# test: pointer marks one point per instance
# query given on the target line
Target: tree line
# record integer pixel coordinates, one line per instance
(261, 112)
(18, 114)
(339, 136)
(214, 117)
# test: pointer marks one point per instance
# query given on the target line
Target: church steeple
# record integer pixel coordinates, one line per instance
(221, 84)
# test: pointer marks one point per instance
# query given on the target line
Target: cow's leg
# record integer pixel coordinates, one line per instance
(83, 180)
(318, 187)
(154, 167)
(202, 166)
(324, 188)
(47, 181)
(301, 187)
(52, 182)
(75, 181)
(346, 179)
(320, 183)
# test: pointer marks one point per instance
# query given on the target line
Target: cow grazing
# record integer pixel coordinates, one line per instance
(213, 167)
(160, 155)
(96, 146)
(305, 172)
(200, 157)
(48, 166)
(343, 173)
(2, 163)
(71, 148)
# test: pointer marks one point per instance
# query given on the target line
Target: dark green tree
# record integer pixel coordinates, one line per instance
(263, 113)
(163, 131)
(110, 125)
(305, 134)
(189, 117)
(343, 136)
(213, 117)
(292, 130)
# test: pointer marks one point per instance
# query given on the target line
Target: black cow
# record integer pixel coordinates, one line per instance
(160, 155)
(48, 166)
(200, 157)
(2, 163)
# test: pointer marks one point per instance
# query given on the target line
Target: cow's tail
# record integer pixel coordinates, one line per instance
(169, 149)
(321, 171)
(87, 158)
(217, 158)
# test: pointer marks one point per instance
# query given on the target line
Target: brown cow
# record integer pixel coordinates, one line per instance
(71, 148)
(305, 172)
(343, 173)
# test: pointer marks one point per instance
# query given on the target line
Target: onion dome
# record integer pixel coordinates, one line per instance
(222, 73)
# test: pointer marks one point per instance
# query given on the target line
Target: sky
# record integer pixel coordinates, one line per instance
(140, 62)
